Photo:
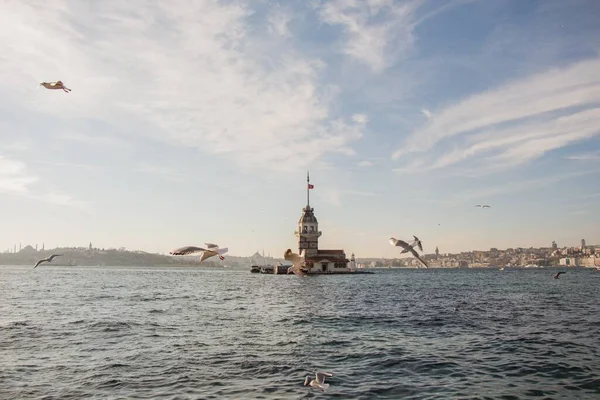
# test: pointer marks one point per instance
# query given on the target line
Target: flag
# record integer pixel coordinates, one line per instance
(311, 186)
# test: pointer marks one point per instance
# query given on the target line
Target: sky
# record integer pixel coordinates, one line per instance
(196, 121)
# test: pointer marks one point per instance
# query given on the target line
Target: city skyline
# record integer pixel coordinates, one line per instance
(196, 122)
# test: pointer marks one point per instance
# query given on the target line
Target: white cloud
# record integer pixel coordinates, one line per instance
(426, 113)
(187, 73)
(513, 124)
(365, 163)
(585, 156)
(334, 196)
(278, 19)
(360, 118)
(16, 180)
(20, 145)
(485, 193)
(162, 171)
(377, 31)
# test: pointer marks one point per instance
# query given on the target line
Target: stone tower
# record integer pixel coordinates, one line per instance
(308, 227)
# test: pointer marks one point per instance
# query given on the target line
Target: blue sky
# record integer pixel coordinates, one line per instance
(196, 121)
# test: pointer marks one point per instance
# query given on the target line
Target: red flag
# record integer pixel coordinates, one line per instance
(311, 186)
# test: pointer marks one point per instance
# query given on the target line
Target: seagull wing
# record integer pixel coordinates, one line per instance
(297, 261)
(416, 255)
(207, 254)
(52, 257)
(294, 258)
(321, 376)
(398, 242)
(211, 245)
(485, 206)
(187, 250)
(39, 262)
(478, 205)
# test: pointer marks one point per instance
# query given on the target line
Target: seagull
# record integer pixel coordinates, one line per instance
(558, 275)
(319, 381)
(55, 85)
(298, 261)
(418, 243)
(485, 205)
(415, 242)
(211, 251)
(49, 259)
(406, 246)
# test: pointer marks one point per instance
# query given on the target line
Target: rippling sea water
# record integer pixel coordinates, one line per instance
(73, 333)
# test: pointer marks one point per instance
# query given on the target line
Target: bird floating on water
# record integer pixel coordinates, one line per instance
(557, 275)
(319, 381)
(49, 259)
(55, 85)
(211, 251)
(407, 247)
(298, 262)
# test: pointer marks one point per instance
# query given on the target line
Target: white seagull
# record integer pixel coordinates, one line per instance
(298, 263)
(319, 381)
(49, 259)
(406, 246)
(211, 251)
(416, 242)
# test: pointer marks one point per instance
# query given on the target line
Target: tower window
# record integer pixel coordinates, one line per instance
(312, 228)
(304, 229)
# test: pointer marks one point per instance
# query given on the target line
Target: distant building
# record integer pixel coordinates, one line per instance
(554, 245)
(437, 253)
(568, 262)
(582, 244)
(317, 261)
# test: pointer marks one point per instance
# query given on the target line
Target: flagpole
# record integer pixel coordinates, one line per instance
(307, 190)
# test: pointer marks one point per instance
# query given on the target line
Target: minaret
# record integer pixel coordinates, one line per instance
(437, 252)
(308, 226)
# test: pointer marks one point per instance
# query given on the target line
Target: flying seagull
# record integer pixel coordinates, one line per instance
(482, 206)
(298, 262)
(558, 274)
(55, 85)
(406, 246)
(416, 242)
(319, 381)
(49, 259)
(211, 251)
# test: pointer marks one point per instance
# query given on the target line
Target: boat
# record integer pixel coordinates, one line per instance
(255, 269)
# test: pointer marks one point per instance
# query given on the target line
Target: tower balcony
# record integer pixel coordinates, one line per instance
(312, 234)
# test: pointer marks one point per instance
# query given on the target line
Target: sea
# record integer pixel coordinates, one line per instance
(223, 333)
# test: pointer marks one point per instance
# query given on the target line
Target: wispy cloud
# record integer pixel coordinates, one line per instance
(377, 31)
(365, 163)
(162, 171)
(20, 145)
(192, 78)
(16, 180)
(484, 193)
(593, 156)
(512, 124)
(334, 196)
(278, 19)
(426, 113)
